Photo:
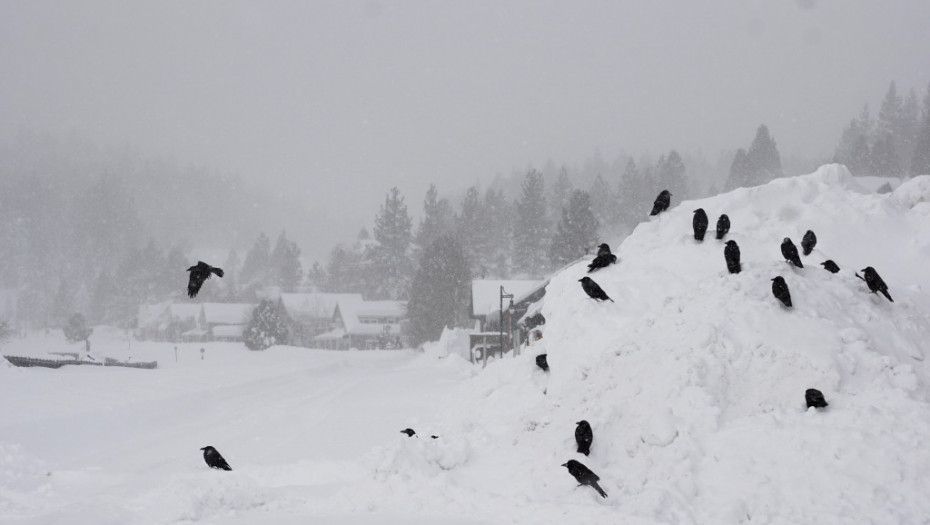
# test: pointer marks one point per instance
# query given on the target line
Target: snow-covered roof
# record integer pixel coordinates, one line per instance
(353, 311)
(228, 330)
(314, 305)
(337, 333)
(485, 294)
(227, 313)
(150, 314)
(184, 311)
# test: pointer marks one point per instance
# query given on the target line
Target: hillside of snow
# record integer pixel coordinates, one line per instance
(694, 380)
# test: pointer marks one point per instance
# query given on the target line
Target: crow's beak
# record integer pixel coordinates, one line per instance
(564, 464)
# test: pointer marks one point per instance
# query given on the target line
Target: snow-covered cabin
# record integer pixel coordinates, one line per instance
(365, 324)
(225, 321)
(311, 314)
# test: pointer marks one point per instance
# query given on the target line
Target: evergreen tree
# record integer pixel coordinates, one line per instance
(577, 231)
(531, 227)
(77, 329)
(884, 158)
(890, 113)
(316, 278)
(763, 159)
(739, 171)
(392, 267)
(908, 127)
(62, 305)
(633, 194)
(439, 293)
(559, 195)
(267, 327)
(497, 228)
(920, 163)
(469, 233)
(6, 331)
(438, 218)
(346, 270)
(255, 272)
(285, 264)
(671, 174)
(231, 275)
(604, 204)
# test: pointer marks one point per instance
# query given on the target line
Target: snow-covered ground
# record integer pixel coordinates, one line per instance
(693, 382)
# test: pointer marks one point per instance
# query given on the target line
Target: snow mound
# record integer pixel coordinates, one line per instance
(694, 380)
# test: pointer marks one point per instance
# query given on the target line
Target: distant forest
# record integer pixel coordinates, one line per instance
(100, 232)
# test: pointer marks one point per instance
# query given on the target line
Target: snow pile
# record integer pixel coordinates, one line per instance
(452, 341)
(694, 379)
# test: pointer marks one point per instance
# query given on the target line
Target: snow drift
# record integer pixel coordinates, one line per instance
(694, 379)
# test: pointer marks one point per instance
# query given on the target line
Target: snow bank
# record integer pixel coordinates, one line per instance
(694, 379)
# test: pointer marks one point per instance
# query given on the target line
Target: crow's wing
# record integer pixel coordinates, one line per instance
(196, 280)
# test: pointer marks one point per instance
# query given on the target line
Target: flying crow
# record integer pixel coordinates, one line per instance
(661, 203)
(593, 290)
(790, 252)
(830, 266)
(723, 226)
(814, 398)
(409, 432)
(780, 291)
(214, 459)
(808, 242)
(604, 258)
(875, 282)
(584, 476)
(199, 274)
(699, 223)
(731, 254)
(583, 437)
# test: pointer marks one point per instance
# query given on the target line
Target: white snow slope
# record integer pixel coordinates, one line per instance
(693, 382)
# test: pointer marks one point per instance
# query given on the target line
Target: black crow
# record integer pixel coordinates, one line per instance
(808, 242)
(604, 258)
(780, 291)
(830, 266)
(699, 223)
(661, 203)
(593, 290)
(790, 252)
(584, 476)
(199, 274)
(214, 459)
(731, 254)
(409, 432)
(814, 398)
(875, 282)
(723, 226)
(542, 362)
(583, 437)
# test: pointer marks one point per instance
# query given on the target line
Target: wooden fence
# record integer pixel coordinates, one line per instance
(58, 363)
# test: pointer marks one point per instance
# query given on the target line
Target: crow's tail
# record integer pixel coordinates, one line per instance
(598, 489)
(887, 295)
(218, 272)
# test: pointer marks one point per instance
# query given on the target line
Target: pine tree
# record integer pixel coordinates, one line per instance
(559, 195)
(77, 329)
(439, 293)
(920, 164)
(531, 227)
(231, 276)
(671, 174)
(850, 149)
(576, 233)
(63, 304)
(604, 204)
(908, 127)
(267, 327)
(346, 271)
(884, 158)
(255, 268)
(438, 218)
(739, 171)
(890, 113)
(392, 267)
(316, 278)
(762, 158)
(497, 228)
(468, 230)
(285, 264)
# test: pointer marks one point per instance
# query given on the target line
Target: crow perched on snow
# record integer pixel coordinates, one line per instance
(214, 459)
(790, 252)
(604, 258)
(875, 282)
(780, 291)
(661, 203)
(199, 274)
(808, 242)
(699, 223)
(409, 432)
(830, 266)
(731, 254)
(593, 290)
(584, 476)
(542, 362)
(583, 437)
(814, 398)
(723, 226)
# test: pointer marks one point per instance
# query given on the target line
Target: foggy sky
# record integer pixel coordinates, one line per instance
(338, 101)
